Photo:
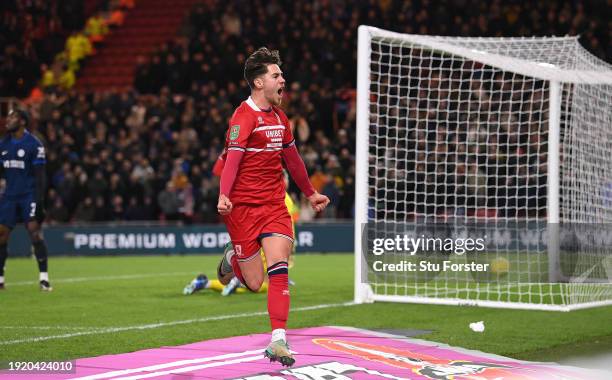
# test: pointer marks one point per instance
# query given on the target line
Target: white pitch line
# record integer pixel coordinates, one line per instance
(49, 328)
(101, 278)
(165, 324)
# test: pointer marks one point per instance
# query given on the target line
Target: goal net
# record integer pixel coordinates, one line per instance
(484, 172)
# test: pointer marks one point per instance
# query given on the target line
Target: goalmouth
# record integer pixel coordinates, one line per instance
(507, 140)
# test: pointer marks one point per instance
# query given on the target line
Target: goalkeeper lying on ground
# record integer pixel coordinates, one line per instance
(202, 282)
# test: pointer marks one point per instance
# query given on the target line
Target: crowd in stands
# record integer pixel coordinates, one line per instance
(126, 157)
(31, 33)
(43, 42)
(148, 154)
(81, 44)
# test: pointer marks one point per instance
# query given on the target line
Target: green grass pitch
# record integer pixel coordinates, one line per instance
(103, 305)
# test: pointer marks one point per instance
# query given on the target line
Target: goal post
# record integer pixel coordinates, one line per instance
(553, 188)
(361, 165)
(506, 142)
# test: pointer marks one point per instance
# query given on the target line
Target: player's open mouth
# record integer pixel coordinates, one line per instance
(280, 91)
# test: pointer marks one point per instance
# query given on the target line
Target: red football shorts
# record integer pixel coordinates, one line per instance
(247, 224)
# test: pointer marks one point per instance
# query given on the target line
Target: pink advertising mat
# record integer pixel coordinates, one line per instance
(322, 353)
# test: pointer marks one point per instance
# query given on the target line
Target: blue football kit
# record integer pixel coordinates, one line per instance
(18, 158)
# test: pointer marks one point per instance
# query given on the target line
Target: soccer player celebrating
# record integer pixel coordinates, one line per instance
(252, 192)
(22, 158)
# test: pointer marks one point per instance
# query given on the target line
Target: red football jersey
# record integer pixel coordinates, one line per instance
(261, 135)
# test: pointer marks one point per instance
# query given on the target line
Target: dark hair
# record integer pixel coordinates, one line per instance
(257, 63)
(23, 115)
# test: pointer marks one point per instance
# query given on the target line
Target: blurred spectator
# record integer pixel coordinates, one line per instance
(135, 210)
(169, 202)
(96, 28)
(58, 213)
(186, 201)
(102, 211)
(85, 211)
(117, 17)
(78, 47)
(206, 201)
(97, 186)
(306, 212)
(117, 209)
(330, 189)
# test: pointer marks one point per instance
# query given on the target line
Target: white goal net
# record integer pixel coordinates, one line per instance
(506, 140)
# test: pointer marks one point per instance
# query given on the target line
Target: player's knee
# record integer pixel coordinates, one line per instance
(34, 231)
(35, 236)
(254, 284)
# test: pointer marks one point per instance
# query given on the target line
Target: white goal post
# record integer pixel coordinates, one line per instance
(506, 138)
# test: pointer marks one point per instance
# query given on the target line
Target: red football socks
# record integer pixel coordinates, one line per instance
(278, 295)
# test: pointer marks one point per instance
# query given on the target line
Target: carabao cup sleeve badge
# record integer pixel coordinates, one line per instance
(234, 132)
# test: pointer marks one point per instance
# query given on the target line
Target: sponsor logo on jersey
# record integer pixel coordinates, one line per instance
(4, 152)
(21, 153)
(14, 164)
(430, 367)
(275, 133)
(234, 132)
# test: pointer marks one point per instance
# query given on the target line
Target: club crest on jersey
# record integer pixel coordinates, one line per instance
(234, 132)
(260, 120)
(21, 153)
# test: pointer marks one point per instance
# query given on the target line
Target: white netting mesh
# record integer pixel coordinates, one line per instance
(458, 130)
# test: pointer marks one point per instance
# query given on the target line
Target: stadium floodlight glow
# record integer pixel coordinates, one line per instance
(510, 131)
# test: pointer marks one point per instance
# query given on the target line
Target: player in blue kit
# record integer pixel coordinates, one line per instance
(22, 163)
